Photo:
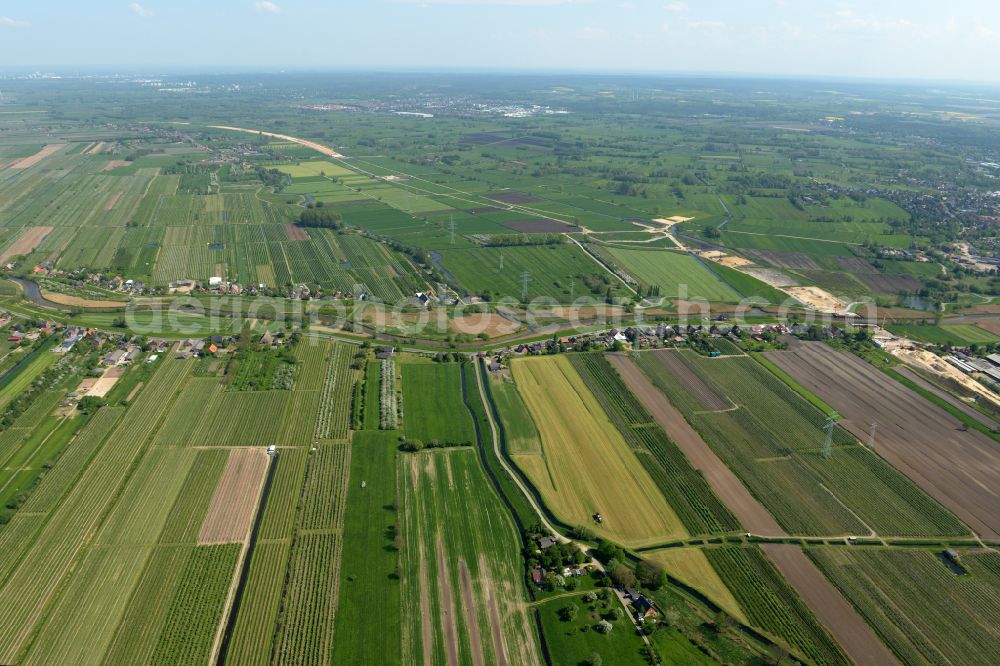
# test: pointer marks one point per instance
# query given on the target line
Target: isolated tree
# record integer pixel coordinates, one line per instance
(568, 612)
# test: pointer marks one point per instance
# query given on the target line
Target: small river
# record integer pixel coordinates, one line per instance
(34, 294)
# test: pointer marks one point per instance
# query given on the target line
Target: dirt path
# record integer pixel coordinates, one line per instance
(751, 513)
(446, 598)
(426, 632)
(469, 606)
(830, 607)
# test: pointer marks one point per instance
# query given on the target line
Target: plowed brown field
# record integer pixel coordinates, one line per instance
(959, 468)
(234, 502)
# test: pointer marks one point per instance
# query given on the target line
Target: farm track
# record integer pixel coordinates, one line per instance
(960, 469)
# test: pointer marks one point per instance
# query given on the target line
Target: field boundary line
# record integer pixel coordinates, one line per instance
(818, 240)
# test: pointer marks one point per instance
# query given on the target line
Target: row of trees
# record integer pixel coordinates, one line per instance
(319, 217)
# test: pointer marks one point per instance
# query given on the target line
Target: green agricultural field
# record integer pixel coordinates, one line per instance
(772, 605)
(199, 600)
(677, 275)
(335, 400)
(581, 451)
(253, 635)
(519, 430)
(369, 575)
(961, 335)
(922, 610)
(551, 272)
(458, 584)
(241, 418)
(684, 488)
(772, 438)
(33, 366)
(432, 404)
(315, 168)
(749, 286)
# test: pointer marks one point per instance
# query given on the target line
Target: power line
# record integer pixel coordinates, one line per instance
(831, 421)
(525, 278)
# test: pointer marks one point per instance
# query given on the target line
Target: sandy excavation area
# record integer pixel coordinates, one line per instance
(925, 360)
(671, 221)
(234, 503)
(818, 299)
(32, 160)
(729, 260)
(29, 239)
(770, 276)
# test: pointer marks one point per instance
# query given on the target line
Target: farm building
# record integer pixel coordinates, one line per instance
(113, 357)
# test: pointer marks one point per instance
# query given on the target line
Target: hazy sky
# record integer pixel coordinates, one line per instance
(926, 39)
